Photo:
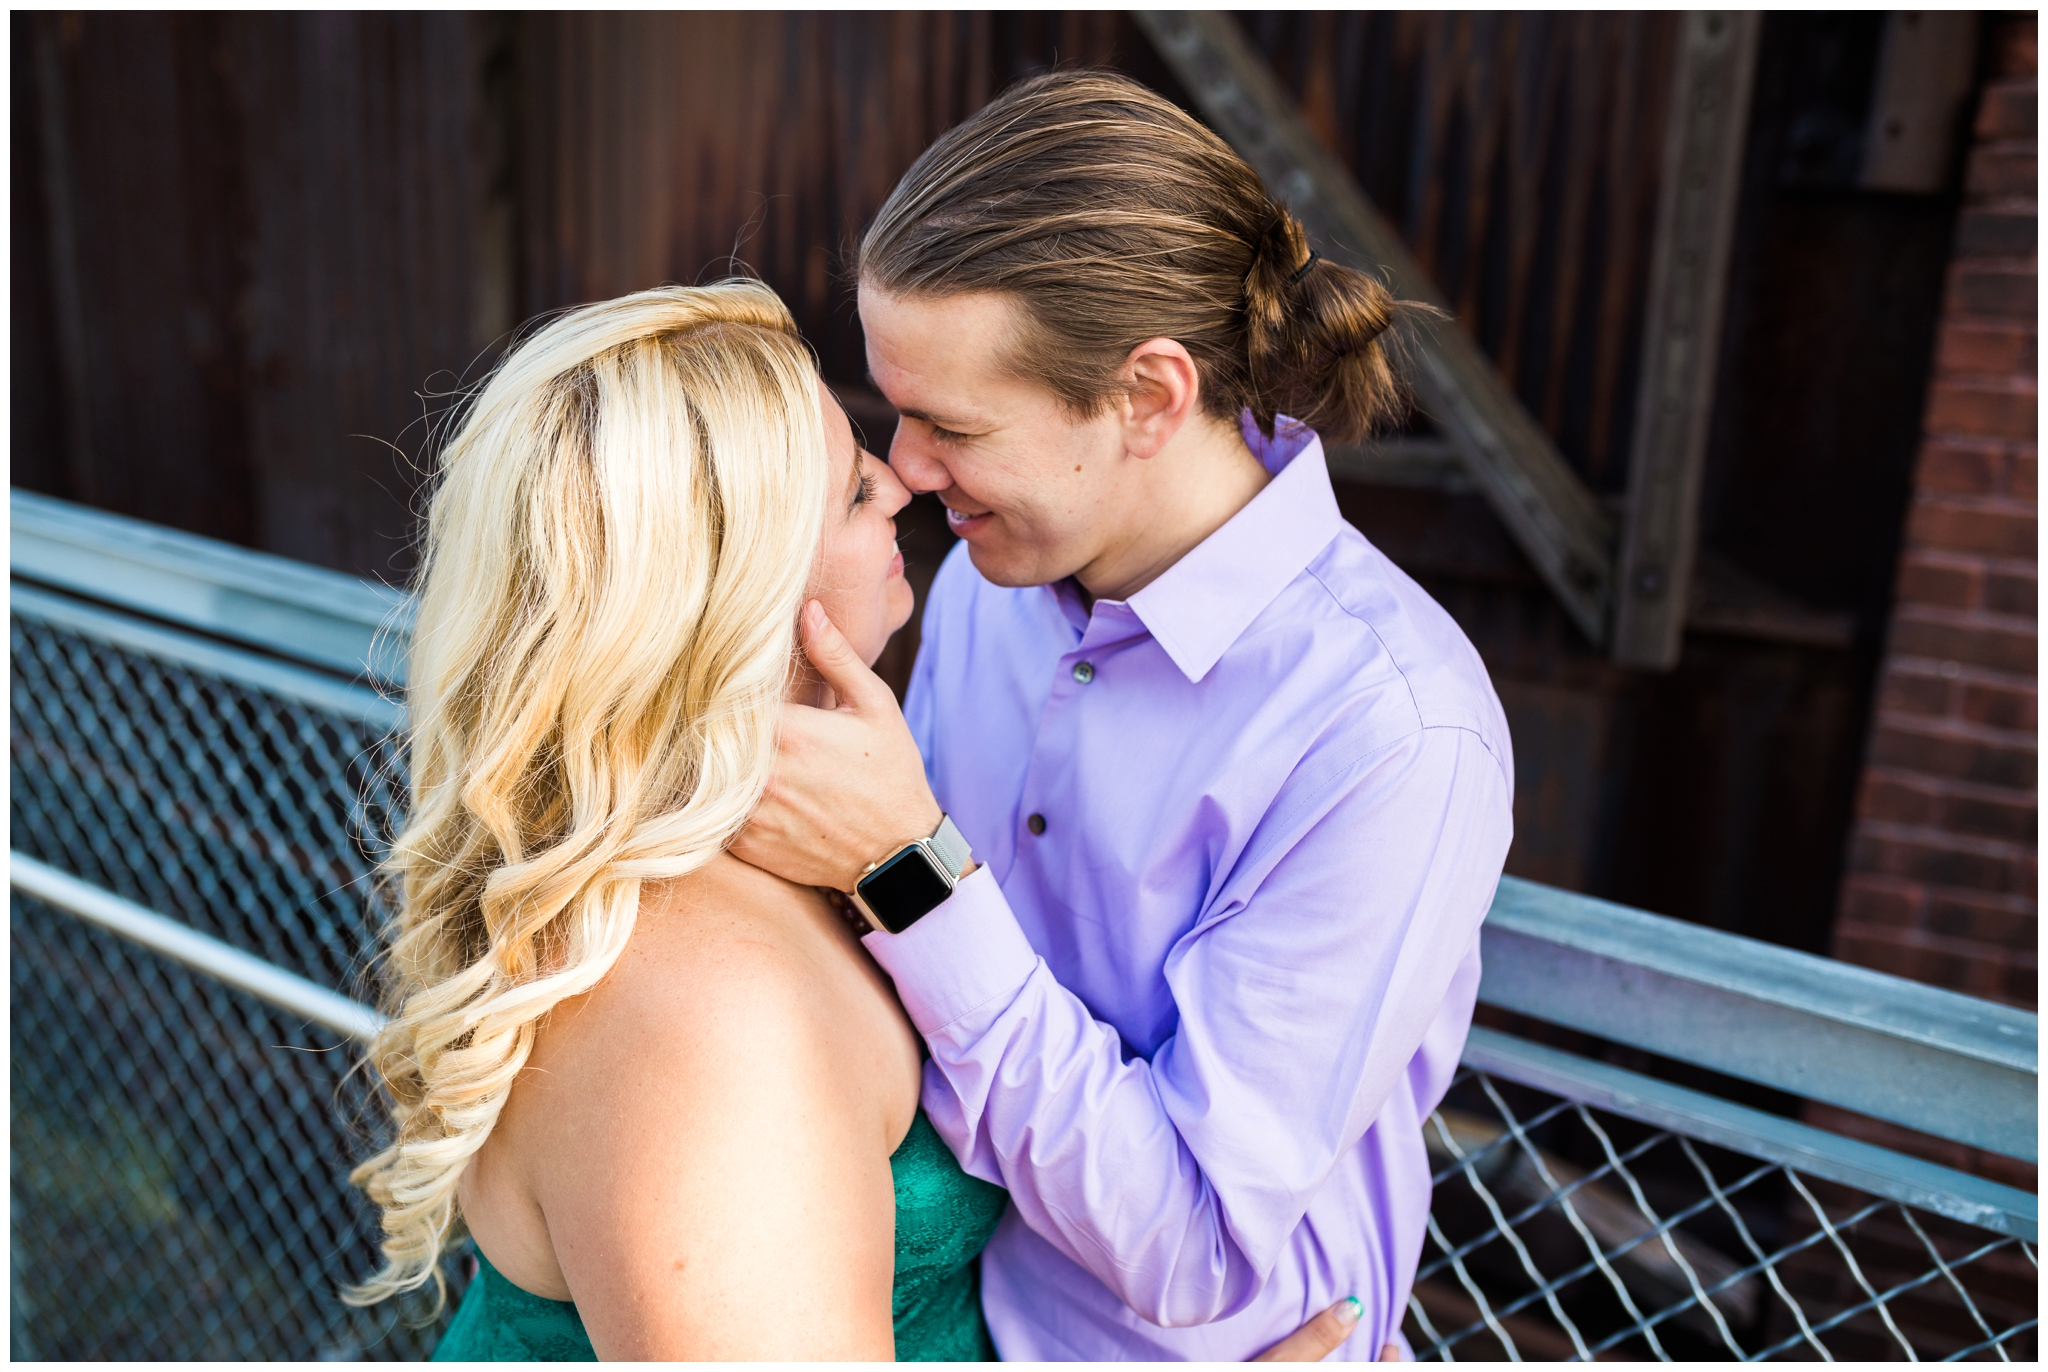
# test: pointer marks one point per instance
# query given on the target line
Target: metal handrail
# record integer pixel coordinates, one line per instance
(296, 610)
(1949, 1065)
(203, 953)
(1771, 1138)
(1933, 1060)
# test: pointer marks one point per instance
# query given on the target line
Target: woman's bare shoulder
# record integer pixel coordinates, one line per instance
(735, 980)
(718, 959)
(692, 1124)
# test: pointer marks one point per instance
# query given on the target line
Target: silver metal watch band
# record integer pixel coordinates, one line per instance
(950, 847)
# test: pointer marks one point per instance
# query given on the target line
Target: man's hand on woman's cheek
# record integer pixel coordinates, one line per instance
(849, 786)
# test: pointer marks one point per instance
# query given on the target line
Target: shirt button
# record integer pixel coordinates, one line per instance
(1084, 672)
(1036, 824)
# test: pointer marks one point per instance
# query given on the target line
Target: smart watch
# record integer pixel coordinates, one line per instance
(911, 882)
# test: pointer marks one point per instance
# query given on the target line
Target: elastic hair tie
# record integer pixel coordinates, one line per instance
(1301, 271)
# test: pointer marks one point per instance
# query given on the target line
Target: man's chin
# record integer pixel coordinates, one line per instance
(1003, 567)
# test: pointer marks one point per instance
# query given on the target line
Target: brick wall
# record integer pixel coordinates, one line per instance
(1941, 870)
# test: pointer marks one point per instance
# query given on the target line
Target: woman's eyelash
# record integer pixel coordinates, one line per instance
(866, 491)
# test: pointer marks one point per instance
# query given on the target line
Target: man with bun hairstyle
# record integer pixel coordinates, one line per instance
(1237, 791)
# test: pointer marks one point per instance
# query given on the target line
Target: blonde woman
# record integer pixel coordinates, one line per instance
(667, 1094)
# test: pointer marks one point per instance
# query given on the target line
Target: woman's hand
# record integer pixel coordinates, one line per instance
(1319, 1338)
(849, 786)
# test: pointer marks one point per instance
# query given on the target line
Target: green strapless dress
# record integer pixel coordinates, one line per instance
(943, 1217)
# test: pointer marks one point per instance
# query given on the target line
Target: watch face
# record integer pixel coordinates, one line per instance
(904, 889)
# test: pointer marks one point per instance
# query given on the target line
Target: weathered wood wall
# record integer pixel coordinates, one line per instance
(243, 244)
(671, 146)
(1519, 155)
(253, 255)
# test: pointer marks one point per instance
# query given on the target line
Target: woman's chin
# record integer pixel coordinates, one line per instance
(902, 603)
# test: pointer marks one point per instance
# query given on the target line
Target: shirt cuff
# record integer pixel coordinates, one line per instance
(963, 955)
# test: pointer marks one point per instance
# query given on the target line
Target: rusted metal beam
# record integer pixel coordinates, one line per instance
(1714, 70)
(1557, 522)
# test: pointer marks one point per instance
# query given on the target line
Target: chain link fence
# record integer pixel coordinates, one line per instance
(180, 1149)
(1564, 1233)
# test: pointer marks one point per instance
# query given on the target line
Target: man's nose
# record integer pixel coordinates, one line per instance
(913, 463)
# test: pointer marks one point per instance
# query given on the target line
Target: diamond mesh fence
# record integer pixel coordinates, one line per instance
(1559, 1232)
(178, 1159)
(180, 1149)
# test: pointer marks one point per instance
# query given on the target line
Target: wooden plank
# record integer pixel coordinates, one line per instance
(60, 204)
(1556, 521)
(1682, 333)
(1925, 70)
(1422, 463)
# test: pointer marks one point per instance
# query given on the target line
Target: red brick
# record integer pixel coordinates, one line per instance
(2002, 648)
(1986, 920)
(1896, 800)
(1926, 582)
(2001, 171)
(1941, 867)
(1984, 231)
(2000, 707)
(1987, 529)
(2010, 921)
(2011, 593)
(1993, 289)
(1937, 860)
(2011, 820)
(1961, 468)
(1969, 346)
(2007, 111)
(1958, 756)
(1880, 901)
(1915, 693)
(1981, 409)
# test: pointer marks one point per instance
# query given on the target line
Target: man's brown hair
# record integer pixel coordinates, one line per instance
(1111, 217)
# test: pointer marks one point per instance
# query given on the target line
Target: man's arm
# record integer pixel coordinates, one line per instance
(1302, 995)
(1302, 998)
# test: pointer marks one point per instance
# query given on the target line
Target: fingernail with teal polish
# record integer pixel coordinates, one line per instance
(1349, 1309)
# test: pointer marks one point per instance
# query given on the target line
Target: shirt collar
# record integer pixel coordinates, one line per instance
(1199, 606)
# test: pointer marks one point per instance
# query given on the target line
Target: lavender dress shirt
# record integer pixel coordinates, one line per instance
(1238, 834)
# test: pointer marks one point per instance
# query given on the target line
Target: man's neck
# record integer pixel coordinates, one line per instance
(1189, 490)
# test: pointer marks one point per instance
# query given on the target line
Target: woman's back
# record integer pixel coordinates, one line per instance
(704, 1142)
(644, 1075)
(943, 1218)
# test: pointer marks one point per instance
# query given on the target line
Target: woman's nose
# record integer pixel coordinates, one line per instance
(914, 466)
(895, 495)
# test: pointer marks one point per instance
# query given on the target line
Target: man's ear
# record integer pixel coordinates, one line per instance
(1163, 391)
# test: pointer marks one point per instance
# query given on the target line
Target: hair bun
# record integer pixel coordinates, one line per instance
(1112, 216)
(1312, 335)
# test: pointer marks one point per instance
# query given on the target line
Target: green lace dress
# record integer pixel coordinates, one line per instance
(943, 1217)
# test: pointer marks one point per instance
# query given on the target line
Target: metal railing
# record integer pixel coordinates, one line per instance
(202, 776)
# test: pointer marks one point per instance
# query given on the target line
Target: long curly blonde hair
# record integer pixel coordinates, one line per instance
(615, 559)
